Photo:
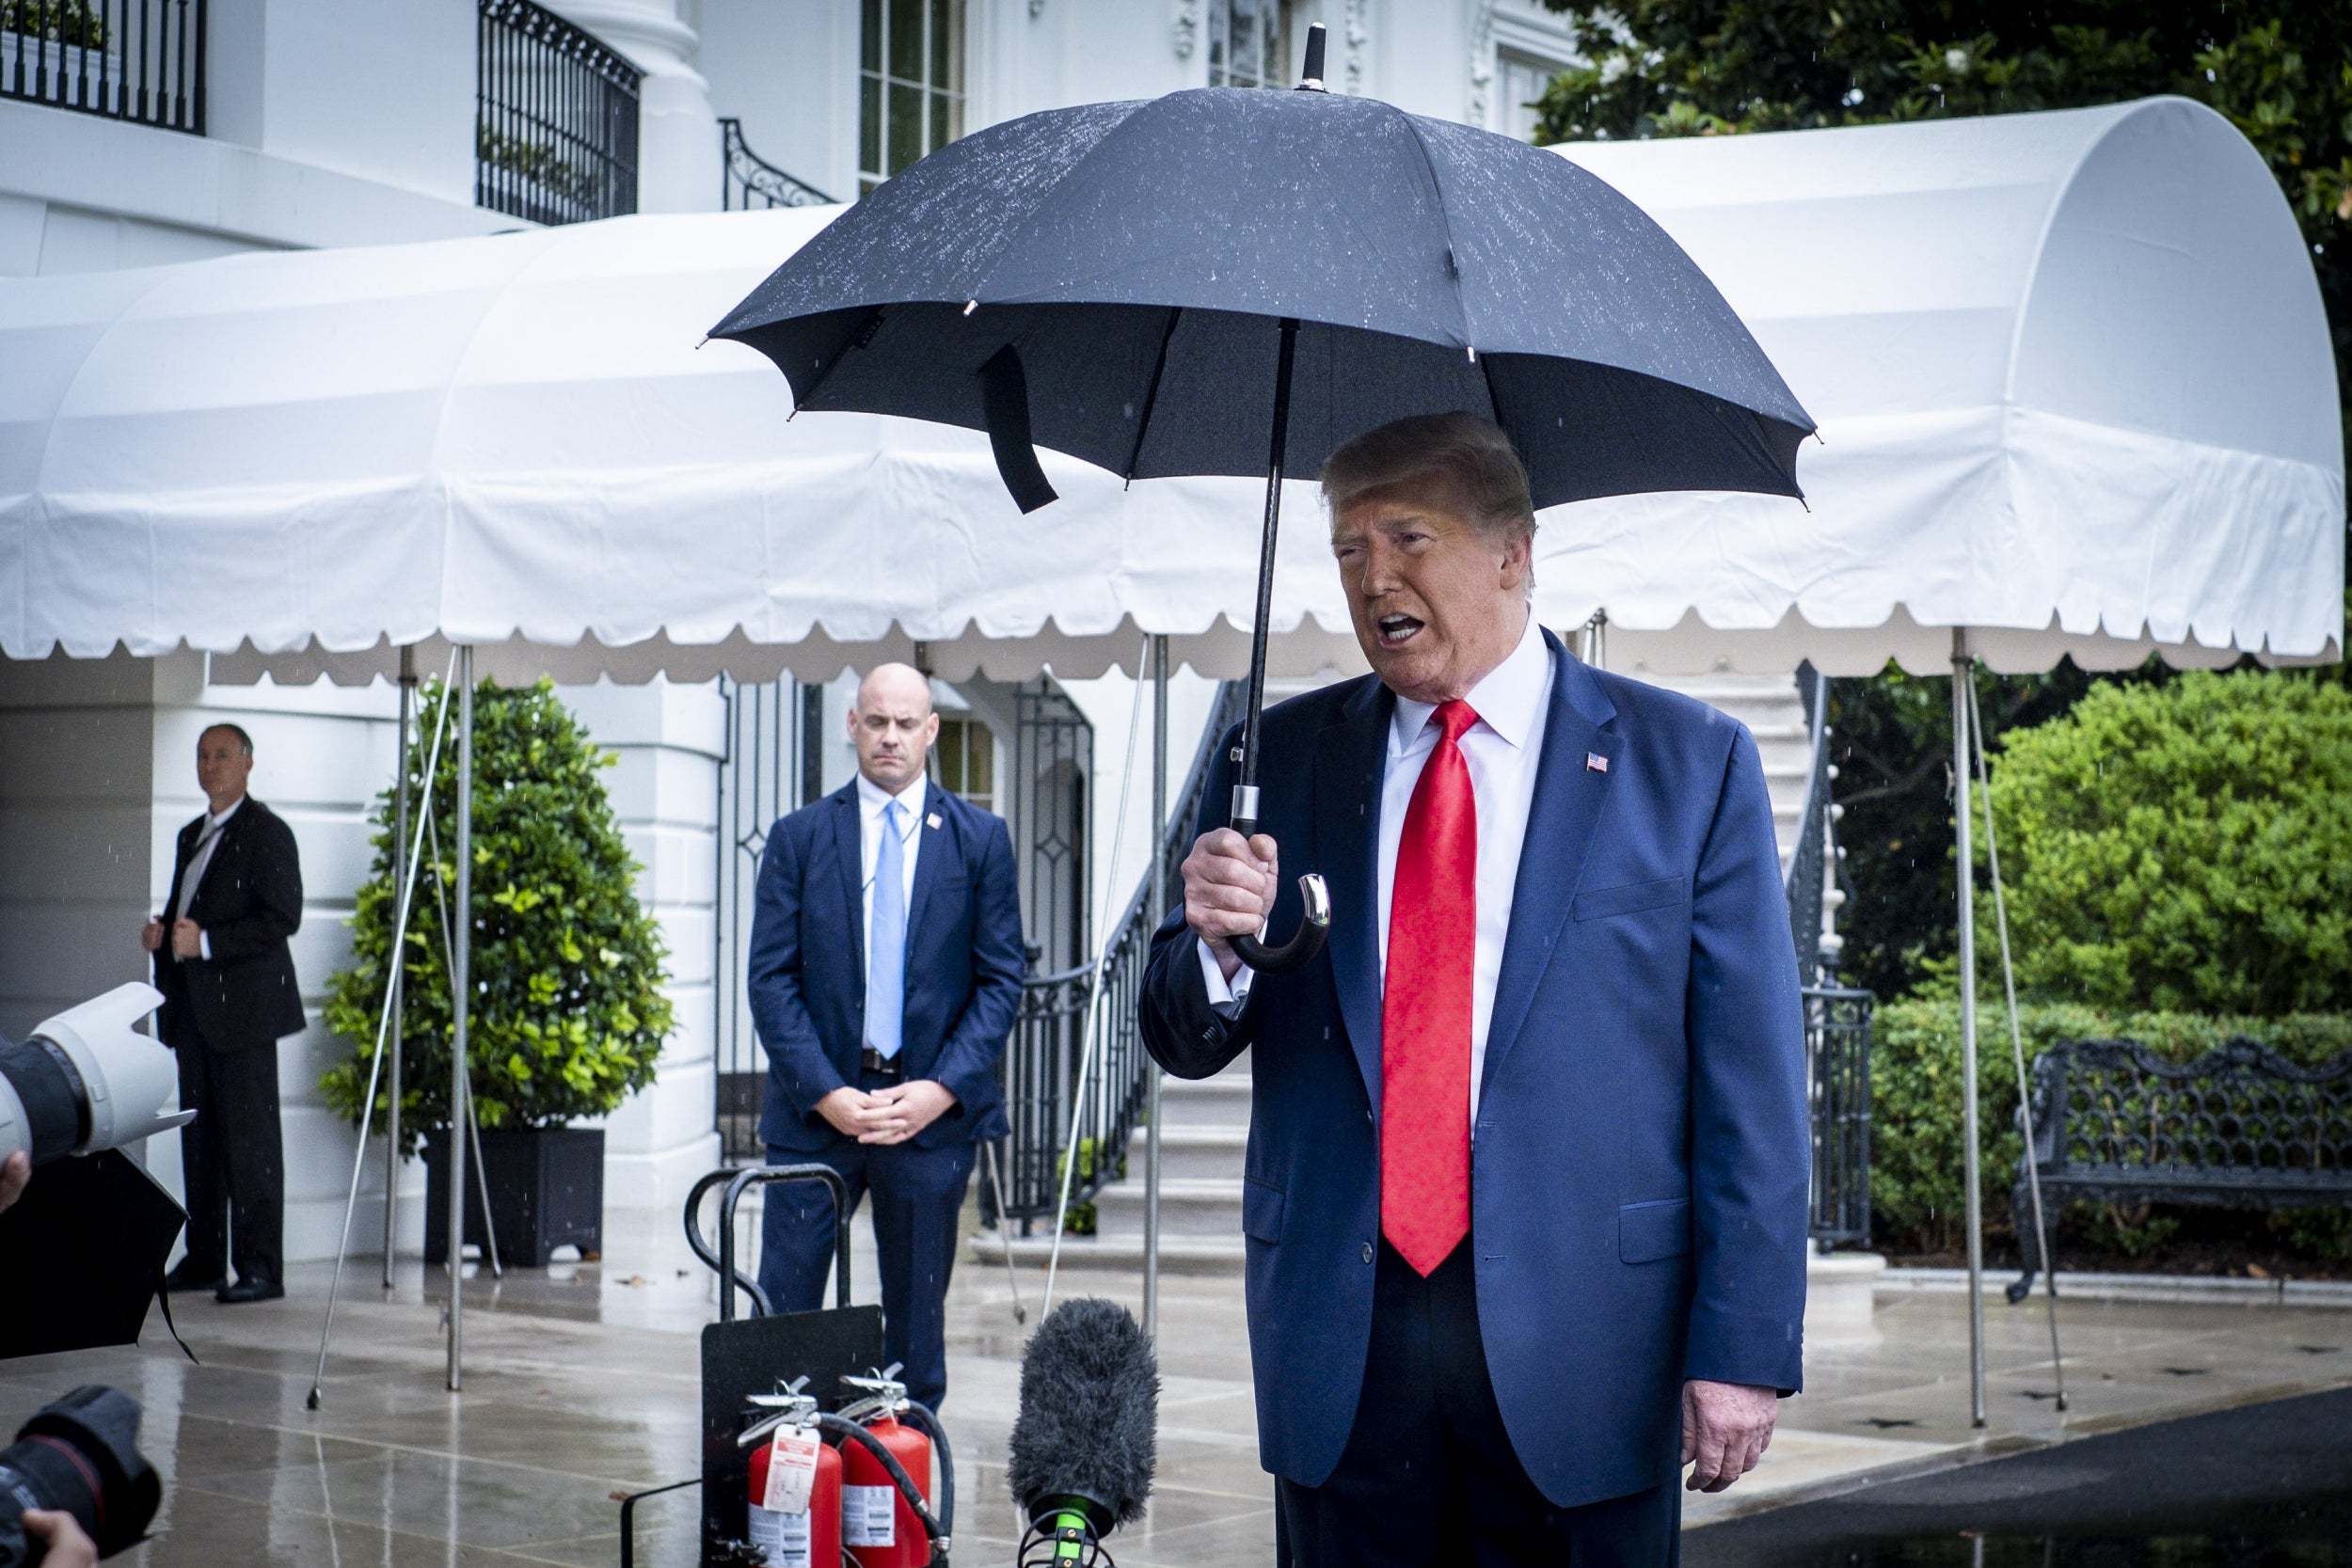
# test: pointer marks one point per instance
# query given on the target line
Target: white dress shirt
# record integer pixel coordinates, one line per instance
(871, 800)
(208, 839)
(1502, 752)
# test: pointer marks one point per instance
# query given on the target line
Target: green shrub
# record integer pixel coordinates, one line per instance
(1917, 1192)
(568, 1017)
(2183, 848)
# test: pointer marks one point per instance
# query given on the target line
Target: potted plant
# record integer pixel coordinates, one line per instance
(568, 1016)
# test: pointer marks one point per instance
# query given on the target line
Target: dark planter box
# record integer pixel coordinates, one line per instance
(547, 1191)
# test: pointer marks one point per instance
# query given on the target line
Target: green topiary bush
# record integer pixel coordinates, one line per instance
(1916, 1195)
(568, 1017)
(2183, 848)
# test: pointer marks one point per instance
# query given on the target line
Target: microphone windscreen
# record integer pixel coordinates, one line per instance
(1090, 1410)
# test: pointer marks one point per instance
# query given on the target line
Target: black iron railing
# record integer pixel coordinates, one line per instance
(1837, 1075)
(555, 126)
(139, 61)
(1042, 1060)
(752, 182)
(1807, 868)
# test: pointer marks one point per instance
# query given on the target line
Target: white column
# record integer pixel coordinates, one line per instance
(678, 133)
(665, 793)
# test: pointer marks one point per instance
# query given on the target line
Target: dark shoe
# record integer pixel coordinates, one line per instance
(186, 1279)
(249, 1290)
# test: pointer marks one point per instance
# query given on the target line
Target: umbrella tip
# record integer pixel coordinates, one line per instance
(970, 306)
(1310, 77)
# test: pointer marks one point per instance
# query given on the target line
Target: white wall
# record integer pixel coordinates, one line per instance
(382, 92)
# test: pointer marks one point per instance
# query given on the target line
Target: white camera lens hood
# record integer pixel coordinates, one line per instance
(126, 1075)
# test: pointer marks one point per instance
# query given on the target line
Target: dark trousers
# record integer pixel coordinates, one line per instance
(918, 1195)
(232, 1156)
(1429, 1477)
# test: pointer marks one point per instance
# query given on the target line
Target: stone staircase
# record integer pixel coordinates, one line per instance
(1206, 1125)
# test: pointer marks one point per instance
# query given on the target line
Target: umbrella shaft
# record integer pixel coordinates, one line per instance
(1245, 810)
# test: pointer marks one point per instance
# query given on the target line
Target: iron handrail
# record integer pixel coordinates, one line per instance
(1040, 1068)
(748, 175)
(1808, 865)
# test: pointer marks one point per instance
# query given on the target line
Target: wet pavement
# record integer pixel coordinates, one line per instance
(583, 1382)
(2260, 1484)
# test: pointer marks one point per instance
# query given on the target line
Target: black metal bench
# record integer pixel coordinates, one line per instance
(2238, 1128)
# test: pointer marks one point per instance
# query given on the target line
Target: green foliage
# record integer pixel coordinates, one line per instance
(568, 1017)
(1082, 1219)
(2183, 847)
(1916, 1144)
(75, 22)
(1891, 742)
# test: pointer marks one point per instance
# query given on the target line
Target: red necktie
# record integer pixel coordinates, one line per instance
(1425, 1008)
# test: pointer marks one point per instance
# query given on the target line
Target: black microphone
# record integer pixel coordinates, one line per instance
(1084, 1444)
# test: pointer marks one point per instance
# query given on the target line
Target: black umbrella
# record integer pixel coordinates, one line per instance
(1235, 281)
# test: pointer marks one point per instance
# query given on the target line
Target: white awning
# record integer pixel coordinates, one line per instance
(2075, 393)
(2072, 371)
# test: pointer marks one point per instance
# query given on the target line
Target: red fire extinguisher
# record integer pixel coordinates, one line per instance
(879, 1524)
(795, 1493)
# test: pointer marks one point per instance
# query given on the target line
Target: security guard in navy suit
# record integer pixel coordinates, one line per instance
(885, 970)
(229, 995)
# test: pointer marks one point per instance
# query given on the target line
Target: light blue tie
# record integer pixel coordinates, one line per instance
(886, 957)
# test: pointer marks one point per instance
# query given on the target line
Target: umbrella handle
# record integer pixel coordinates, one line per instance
(1303, 943)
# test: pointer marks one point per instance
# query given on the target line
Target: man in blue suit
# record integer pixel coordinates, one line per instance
(885, 969)
(1526, 1188)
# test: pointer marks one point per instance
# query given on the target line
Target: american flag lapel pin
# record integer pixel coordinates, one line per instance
(1595, 763)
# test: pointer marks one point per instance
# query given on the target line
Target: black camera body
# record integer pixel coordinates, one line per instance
(80, 1454)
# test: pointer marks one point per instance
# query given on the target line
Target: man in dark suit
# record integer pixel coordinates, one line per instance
(885, 970)
(228, 981)
(1525, 1196)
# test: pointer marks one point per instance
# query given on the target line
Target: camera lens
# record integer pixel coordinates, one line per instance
(79, 1453)
(51, 1103)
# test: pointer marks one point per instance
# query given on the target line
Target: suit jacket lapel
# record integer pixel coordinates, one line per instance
(1349, 758)
(181, 851)
(1569, 796)
(930, 866)
(846, 845)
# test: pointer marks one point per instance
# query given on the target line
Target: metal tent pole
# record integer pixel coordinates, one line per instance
(403, 905)
(2017, 1046)
(461, 1003)
(1159, 912)
(399, 960)
(1963, 666)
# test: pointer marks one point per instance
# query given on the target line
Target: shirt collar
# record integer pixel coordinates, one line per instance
(872, 798)
(212, 820)
(1507, 701)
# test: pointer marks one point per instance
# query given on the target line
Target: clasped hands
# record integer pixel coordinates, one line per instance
(187, 938)
(890, 1115)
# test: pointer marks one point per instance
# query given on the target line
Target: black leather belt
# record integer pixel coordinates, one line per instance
(874, 1061)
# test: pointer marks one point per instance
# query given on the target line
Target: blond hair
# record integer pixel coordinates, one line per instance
(1466, 456)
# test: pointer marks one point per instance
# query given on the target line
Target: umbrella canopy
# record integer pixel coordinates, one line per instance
(1139, 257)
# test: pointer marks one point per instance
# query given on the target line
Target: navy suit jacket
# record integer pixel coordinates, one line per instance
(807, 967)
(1640, 1164)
